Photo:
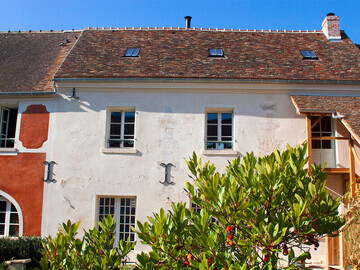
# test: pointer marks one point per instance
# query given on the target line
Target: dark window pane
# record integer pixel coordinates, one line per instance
(112, 201)
(127, 228)
(121, 228)
(127, 210)
(106, 211)
(226, 145)
(211, 145)
(133, 220)
(226, 118)
(115, 129)
(13, 208)
(14, 218)
(133, 210)
(226, 131)
(114, 144)
(212, 118)
(326, 124)
(127, 202)
(132, 237)
(128, 144)
(122, 219)
(212, 130)
(127, 219)
(2, 217)
(2, 206)
(122, 210)
(129, 129)
(13, 230)
(107, 200)
(2, 229)
(115, 117)
(12, 124)
(130, 117)
(112, 210)
(122, 202)
(101, 201)
(101, 211)
(326, 144)
(316, 144)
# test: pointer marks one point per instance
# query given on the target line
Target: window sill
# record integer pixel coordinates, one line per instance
(8, 151)
(222, 152)
(119, 150)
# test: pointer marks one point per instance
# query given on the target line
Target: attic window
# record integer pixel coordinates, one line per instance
(309, 55)
(132, 52)
(216, 53)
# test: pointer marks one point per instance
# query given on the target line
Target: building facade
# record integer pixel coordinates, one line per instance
(127, 106)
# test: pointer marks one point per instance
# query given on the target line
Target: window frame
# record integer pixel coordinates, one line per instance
(9, 108)
(323, 133)
(117, 214)
(123, 111)
(11, 202)
(216, 54)
(219, 142)
(126, 54)
(309, 55)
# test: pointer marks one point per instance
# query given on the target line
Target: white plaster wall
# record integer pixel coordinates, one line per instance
(169, 127)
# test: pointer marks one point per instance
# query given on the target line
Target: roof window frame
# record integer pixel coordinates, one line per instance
(129, 52)
(215, 53)
(309, 55)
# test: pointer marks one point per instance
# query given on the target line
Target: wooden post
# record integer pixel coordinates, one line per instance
(309, 141)
(352, 167)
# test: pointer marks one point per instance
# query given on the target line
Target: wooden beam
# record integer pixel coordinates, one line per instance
(337, 170)
(356, 156)
(317, 121)
(352, 168)
(331, 138)
(309, 140)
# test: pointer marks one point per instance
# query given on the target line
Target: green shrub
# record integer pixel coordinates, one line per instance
(96, 250)
(259, 209)
(21, 248)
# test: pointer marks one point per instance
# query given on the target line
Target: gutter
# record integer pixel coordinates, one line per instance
(20, 94)
(271, 81)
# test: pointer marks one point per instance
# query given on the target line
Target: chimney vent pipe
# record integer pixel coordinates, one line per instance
(188, 22)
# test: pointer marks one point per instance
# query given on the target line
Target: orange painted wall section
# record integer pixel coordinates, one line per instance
(34, 126)
(20, 177)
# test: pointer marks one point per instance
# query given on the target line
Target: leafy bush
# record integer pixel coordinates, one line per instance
(260, 208)
(96, 250)
(21, 248)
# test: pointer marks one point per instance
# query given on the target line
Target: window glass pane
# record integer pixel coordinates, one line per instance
(114, 144)
(212, 130)
(212, 118)
(13, 230)
(326, 144)
(130, 117)
(115, 129)
(316, 144)
(12, 125)
(129, 129)
(326, 124)
(14, 218)
(226, 118)
(212, 51)
(2, 217)
(211, 145)
(2, 206)
(2, 229)
(101, 201)
(226, 145)
(115, 117)
(128, 144)
(226, 131)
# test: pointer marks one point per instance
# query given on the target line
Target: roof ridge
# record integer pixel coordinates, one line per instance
(40, 31)
(205, 29)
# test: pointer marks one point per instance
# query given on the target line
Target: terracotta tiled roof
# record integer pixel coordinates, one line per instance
(343, 105)
(184, 54)
(29, 60)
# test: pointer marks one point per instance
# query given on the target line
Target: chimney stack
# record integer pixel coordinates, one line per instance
(188, 22)
(331, 27)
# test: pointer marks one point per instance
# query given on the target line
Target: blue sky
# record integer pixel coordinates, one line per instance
(245, 14)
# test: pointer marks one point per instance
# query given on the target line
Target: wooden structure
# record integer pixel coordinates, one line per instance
(335, 246)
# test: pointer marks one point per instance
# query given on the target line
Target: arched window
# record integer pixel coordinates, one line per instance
(10, 220)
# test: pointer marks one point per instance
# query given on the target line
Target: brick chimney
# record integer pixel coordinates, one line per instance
(331, 27)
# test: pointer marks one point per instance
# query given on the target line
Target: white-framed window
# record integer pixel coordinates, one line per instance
(219, 130)
(323, 128)
(121, 128)
(124, 210)
(9, 218)
(8, 117)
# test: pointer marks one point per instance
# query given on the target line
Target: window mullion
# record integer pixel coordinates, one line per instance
(7, 218)
(219, 130)
(122, 128)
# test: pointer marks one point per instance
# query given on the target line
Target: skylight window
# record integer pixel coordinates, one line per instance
(216, 52)
(132, 52)
(309, 55)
